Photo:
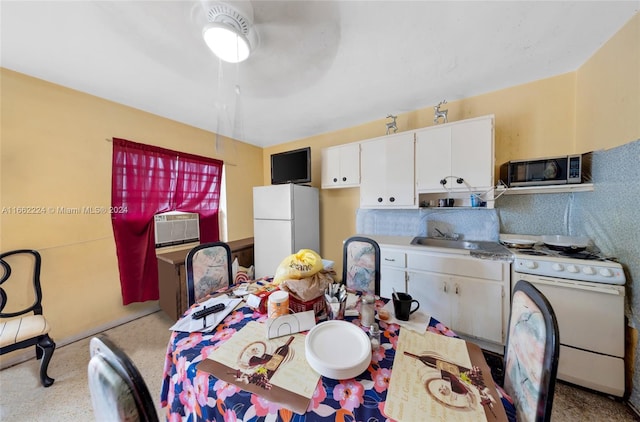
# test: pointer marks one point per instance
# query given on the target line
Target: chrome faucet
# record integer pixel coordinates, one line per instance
(447, 236)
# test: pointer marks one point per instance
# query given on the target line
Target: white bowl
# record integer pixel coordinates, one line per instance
(338, 349)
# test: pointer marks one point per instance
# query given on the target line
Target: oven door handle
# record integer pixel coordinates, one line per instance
(608, 290)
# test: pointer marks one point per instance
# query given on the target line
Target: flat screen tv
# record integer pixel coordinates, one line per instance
(291, 166)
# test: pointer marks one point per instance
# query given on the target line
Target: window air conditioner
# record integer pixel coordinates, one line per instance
(176, 228)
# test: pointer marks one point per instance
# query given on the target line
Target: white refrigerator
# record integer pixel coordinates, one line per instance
(286, 218)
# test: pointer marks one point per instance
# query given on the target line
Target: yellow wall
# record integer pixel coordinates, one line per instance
(54, 154)
(608, 92)
(531, 120)
(596, 107)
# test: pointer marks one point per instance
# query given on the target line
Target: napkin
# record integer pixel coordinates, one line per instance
(418, 321)
(189, 325)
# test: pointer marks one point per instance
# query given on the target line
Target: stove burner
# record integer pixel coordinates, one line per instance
(586, 255)
(534, 252)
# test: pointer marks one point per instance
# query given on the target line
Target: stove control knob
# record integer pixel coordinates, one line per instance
(530, 264)
(573, 269)
(606, 272)
(589, 270)
(557, 267)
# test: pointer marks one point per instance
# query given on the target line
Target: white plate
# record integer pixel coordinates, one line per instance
(338, 349)
(566, 241)
(518, 243)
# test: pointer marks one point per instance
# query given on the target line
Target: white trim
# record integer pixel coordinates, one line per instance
(28, 353)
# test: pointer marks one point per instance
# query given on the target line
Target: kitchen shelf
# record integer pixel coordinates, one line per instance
(525, 190)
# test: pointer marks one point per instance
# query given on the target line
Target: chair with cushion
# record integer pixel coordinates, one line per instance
(361, 265)
(23, 325)
(118, 392)
(208, 269)
(531, 355)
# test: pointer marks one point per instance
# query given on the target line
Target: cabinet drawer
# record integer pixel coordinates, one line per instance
(457, 266)
(393, 258)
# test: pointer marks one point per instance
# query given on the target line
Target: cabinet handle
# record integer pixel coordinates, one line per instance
(344, 179)
(457, 289)
(390, 260)
(335, 179)
(392, 199)
(444, 287)
(379, 199)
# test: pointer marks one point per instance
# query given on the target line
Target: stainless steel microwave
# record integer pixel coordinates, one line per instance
(547, 171)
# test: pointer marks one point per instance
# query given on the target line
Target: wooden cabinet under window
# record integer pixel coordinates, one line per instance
(172, 275)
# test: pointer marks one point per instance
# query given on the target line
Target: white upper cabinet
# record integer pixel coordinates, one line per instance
(341, 166)
(460, 153)
(387, 172)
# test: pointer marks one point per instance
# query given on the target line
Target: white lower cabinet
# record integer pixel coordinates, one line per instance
(393, 274)
(469, 295)
(466, 305)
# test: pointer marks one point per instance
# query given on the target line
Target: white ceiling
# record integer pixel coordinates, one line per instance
(319, 65)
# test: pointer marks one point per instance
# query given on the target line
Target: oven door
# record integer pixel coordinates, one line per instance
(590, 315)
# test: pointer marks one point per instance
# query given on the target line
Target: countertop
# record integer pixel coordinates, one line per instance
(487, 250)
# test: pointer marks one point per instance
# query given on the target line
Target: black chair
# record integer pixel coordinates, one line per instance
(361, 265)
(118, 391)
(208, 269)
(25, 327)
(531, 355)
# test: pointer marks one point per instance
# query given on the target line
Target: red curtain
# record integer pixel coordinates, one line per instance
(147, 180)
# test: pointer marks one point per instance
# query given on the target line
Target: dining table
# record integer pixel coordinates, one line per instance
(190, 394)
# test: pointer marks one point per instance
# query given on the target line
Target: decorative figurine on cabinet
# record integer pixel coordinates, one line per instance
(392, 125)
(437, 113)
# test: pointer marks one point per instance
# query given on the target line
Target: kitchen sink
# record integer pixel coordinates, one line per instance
(445, 243)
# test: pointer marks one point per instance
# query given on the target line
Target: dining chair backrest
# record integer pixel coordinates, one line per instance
(361, 264)
(23, 326)
(208, 269)
(531, 355)
(118, 391)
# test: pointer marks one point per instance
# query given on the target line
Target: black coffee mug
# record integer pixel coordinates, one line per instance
(402, 306)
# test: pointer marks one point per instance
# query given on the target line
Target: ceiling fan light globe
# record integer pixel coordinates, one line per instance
(226, 42)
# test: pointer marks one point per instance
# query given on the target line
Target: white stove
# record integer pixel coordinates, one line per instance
(587, 265)
(586, 291)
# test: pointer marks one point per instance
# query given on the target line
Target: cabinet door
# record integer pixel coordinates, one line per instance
(433, 158)
(431, 290)
(373, 173)
(400, 154)
(341, 166)
(477, 308)
(387, 172)
(330, 167)
(392, 278)
(350, 165)
(472, 156)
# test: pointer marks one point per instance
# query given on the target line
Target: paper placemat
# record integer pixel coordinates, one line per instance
(441, 378)
(248, 359)
(189, 325)
(418, 321)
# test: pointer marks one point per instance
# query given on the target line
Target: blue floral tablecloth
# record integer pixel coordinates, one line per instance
(191, 395)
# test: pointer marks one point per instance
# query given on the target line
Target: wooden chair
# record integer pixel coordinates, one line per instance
(208, 269)
(118, 391)
(531, 355)
(361, 265)
(27, 326)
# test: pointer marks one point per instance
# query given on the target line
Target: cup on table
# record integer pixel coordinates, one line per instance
(402, 303)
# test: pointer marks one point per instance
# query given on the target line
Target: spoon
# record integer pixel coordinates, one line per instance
(395, 294)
